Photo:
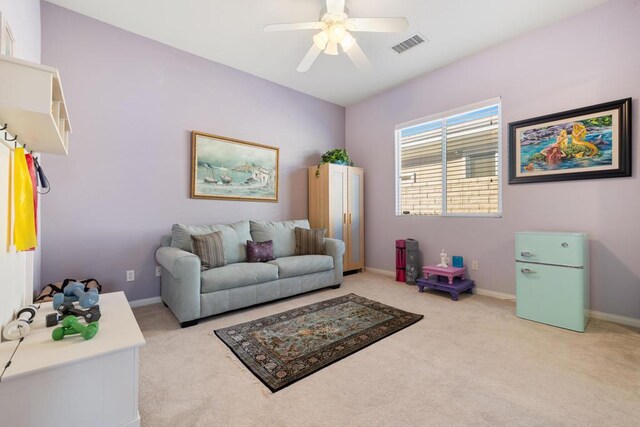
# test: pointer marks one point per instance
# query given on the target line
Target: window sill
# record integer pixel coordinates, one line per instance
(490, 216)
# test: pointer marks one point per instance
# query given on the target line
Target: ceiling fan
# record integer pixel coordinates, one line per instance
(336, 28)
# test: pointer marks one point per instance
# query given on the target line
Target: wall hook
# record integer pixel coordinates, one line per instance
(6, 137)
(5, 126)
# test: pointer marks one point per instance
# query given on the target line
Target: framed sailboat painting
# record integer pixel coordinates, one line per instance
(231, 169)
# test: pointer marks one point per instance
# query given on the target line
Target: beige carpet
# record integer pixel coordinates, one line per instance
(470, 362)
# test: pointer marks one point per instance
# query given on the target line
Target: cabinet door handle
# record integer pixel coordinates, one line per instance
(526, 271)
(526, 254)
(350, 218)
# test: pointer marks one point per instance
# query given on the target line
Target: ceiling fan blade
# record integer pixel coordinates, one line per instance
(295, 26)
(335, 7)
(358, 57)
(378, 25)
(309, 59)
(332, 48)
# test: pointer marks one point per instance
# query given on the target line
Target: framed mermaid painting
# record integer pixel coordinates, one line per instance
(586, 143)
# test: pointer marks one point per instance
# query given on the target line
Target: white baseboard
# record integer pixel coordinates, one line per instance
(494, 294)
(623, 320)
(145, 301)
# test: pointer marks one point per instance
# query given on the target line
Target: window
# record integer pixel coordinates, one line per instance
(449, 164)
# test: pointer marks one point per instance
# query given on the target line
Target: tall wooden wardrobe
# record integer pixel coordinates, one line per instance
(336, 203)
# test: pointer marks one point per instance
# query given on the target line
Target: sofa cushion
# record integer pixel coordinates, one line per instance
(236, 275)
(281, 232)
(294, 266)
(234, 238)
(209, 248)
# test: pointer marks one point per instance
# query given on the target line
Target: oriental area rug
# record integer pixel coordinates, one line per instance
(286, 347)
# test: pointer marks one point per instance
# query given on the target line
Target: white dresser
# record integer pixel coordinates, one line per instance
(74, 382)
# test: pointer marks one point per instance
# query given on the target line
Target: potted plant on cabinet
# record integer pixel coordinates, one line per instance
(338, 156)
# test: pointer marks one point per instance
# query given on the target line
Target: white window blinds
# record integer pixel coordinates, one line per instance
(450, 165)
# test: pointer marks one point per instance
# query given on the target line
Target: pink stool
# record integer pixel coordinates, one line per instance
(448, 272)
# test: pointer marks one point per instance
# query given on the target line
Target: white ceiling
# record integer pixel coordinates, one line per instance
(230, 32)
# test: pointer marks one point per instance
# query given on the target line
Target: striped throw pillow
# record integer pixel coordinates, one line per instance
(208, 247)
(309, 241)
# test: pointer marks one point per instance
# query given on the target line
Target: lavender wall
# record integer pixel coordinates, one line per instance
(589, 59)
(133, 103)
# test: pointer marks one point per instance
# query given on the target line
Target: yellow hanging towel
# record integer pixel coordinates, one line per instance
(24, 228)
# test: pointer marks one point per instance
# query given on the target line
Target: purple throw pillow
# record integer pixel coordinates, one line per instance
(260, 251)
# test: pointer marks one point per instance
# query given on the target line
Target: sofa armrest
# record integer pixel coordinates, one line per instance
(177, 261)
(335, 249)
(180, 289)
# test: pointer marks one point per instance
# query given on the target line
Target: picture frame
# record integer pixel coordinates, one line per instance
(585, 143)
(225, 168)
(7, 41)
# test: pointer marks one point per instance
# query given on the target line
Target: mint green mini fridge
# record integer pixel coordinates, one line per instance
(552, 278)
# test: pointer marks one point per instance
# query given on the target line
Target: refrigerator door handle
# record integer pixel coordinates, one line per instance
(526, 254)
(526, 271)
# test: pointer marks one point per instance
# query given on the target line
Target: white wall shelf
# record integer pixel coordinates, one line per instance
(32, 105)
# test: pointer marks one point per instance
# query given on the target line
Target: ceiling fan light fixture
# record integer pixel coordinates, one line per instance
(332, 48)
(337, 32)
(321, 39)
(335, 27)
(347, 42)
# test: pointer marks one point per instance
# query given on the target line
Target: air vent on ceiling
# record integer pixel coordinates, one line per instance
(409, 43)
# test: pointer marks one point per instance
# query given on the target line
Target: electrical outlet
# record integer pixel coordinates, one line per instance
(158, 271)
(475, 265)
(131, 275)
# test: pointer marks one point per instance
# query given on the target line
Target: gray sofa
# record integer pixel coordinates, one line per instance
(192, 294)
